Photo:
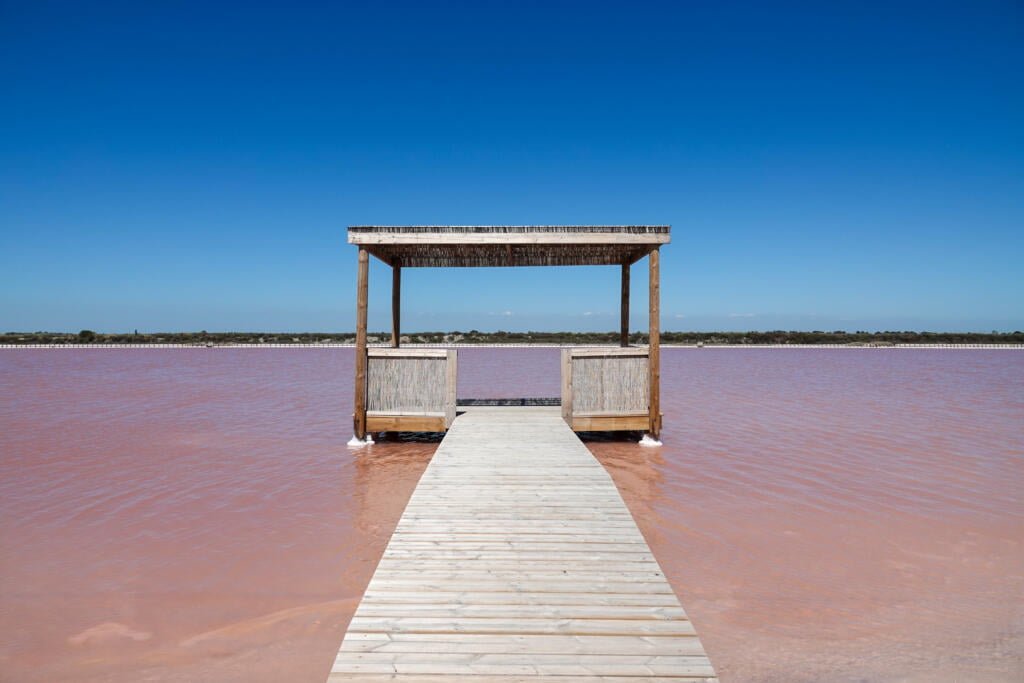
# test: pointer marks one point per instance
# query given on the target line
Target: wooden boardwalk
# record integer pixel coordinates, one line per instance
(517, 560)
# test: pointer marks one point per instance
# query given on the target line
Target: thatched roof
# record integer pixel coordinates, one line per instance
(448, 246)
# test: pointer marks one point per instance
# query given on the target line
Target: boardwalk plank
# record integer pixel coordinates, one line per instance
(505, 644)
(516, 598)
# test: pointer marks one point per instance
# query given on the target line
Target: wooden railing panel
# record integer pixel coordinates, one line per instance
(411, 382)
(607, 388)
(610, 385)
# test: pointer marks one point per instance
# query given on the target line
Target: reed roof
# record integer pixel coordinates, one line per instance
(454, 246)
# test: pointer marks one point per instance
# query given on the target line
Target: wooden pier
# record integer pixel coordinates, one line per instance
(516, 559)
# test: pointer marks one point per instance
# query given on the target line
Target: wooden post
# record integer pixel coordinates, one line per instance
(655, 345)
(624, 327)
(567, 386)
(362, 285)
(451, 377)
(396, 304)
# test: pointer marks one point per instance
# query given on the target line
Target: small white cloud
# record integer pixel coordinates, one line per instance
(678, 315)
(586, 313)
(742, 315)
(506, 312)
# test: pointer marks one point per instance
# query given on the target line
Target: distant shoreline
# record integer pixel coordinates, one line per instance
(457, 339)
(510, 346)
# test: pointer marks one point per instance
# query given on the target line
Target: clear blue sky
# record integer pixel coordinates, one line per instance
(185, 166)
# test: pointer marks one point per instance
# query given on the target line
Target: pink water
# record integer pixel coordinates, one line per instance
(825, 515)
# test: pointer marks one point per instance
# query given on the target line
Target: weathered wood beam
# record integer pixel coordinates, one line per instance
(655, 343)
(567, 386)
(624, 324)
(381, 254)
(634, 256)
(451, 376)
(396, 304)
(384, 352)
(609, 423)
(502, 239)
(362, 287)
(605, 351)
(406, 423)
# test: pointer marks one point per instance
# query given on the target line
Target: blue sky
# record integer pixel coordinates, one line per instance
(186, 166)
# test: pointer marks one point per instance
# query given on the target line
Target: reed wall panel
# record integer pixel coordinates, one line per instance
(614, 384)
(397, 384)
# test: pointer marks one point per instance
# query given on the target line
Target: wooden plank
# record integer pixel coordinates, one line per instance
(599, 506)
(523, 530)
(405, 423)
(534, 557)
(624, 305)
(601, 413)
(380, 597)
(514, 522)
(525, 570)
(385, 352)
(451, 387)
(473, 516)
(654, 344)
(482, 643)
(605, 351)
(496, 585)
(553, 664)
(509, 573)
(408, 543)
(511, 678)
(396, 304)
(567, 385)
(385, 413)
(516, 558)
(465, 508)
(504, 239)
(372, 609)
(610, 423)
(414, 624)
(573, 544)
(362, 286)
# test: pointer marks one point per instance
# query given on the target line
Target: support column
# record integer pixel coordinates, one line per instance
(624, 326)
(655, 345)
(396, 304)
(362, 285)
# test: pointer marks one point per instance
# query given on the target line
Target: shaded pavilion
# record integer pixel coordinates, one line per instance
(414, 389)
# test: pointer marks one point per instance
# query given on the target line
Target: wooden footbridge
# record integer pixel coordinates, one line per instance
(516, 558)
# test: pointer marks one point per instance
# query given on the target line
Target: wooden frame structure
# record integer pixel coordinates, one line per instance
(607, 389)
(410, 390)
(447, 246)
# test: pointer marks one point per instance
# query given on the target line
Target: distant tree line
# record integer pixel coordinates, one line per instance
(503, 337)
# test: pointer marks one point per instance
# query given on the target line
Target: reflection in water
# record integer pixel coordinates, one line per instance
(825, 515)
(186, 515)
(840, 515)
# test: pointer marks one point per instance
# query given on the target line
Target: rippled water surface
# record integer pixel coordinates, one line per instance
(825, 515)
